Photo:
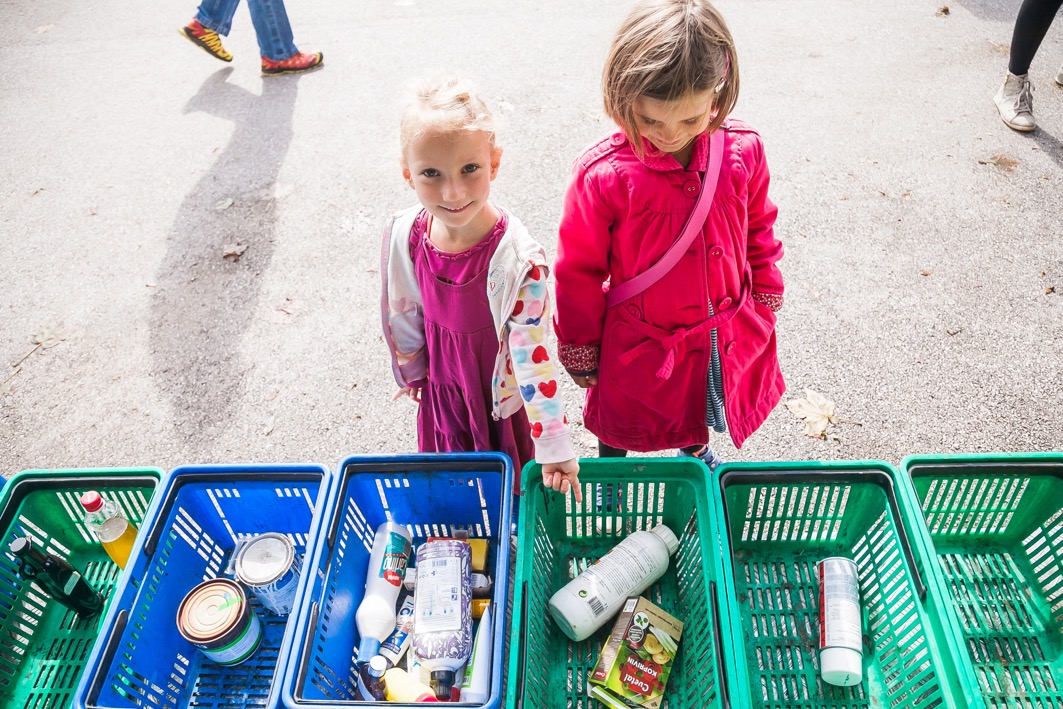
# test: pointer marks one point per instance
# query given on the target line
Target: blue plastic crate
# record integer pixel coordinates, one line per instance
(433, 495)
(195, 522)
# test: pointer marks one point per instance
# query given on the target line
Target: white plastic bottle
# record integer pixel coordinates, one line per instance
(477, 685)
(591, 599)
(442, 621)
(375, 616)
(841, 636)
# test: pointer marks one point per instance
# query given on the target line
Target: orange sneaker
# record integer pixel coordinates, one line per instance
(208, 40)
(295, 64)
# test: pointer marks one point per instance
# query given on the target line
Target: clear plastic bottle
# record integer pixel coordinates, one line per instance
(442, 625)
(110, 525)
(372, 685)
(594, 597)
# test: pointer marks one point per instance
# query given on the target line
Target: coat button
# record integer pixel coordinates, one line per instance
(618, 139)
(729, 349)
(716, 252)
(634, 310)
(725, 304)
(691, 187)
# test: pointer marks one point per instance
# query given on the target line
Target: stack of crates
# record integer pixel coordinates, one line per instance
(196, 522)
(433, 496)
(46, 646)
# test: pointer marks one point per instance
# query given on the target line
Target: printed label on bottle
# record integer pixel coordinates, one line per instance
(396, 556)
(71, 583)
(626, 571)
(391, 648)
(439, 596)
(839, 598)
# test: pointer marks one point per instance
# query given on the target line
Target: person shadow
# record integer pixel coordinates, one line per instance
(1049, 144)
(205, 301)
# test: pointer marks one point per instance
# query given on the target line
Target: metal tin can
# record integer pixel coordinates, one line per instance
(216, 617)
(268, 565)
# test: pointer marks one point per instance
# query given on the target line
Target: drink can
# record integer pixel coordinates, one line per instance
(268, 565)
(216, 617)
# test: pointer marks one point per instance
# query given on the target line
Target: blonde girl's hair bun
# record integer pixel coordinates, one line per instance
(665, 50)
(449, 104)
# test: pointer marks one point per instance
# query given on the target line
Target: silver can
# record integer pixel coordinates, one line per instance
(269, 566)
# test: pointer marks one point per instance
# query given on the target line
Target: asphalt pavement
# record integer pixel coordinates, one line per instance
(924, 258)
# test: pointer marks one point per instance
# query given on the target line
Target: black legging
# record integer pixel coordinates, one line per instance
(1031, 26)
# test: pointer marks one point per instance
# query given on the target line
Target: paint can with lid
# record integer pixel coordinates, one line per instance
(268, 565)
(216, 617)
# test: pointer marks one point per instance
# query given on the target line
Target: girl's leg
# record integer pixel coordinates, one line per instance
(604, 494)
(217, 15)
(272, 28)
(710, 457)
(1031, 26)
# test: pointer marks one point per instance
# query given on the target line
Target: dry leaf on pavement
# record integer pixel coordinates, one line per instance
(49, 336)
(816, 410)
(224, 204)
(233, 252)
(1002, 161)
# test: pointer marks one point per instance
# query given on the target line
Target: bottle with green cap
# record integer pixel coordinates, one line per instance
(591, 599)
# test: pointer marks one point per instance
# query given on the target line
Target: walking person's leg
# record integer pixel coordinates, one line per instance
(275, 40)
(213, 17)
(1014, 100)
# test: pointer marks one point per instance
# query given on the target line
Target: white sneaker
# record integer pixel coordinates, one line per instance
(1015, 102)
(1059, 76)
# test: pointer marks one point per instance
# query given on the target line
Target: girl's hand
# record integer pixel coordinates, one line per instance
(585, 382)
(562, 476)
(412, 392)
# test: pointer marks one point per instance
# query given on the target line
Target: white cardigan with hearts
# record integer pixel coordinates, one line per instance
(519, 297)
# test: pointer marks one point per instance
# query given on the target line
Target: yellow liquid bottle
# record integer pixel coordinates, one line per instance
(108, 522)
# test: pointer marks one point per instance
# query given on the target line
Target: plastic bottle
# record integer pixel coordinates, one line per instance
(841, 635)
(591, 599)
(56, 577)
(371, 681)
(442, 626)
(396, 644)
(110, 525)
(403, 688)
(477, 684)
(375, 616)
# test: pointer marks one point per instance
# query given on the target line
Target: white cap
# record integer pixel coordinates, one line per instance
(668, 537)
(378, 666)
(841, 666)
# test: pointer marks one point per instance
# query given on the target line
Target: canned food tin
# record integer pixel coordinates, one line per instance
(216, 617)
(268, 565)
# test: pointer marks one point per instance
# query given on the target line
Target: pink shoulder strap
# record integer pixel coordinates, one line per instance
(634, 286)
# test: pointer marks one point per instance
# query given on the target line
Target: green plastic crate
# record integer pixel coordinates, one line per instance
(995, 525)
(780, 519)
(45, 646)
(558, 539)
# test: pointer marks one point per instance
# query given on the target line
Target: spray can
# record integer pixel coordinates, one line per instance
(840, 632)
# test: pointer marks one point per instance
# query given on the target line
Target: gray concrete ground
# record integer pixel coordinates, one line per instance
(925, 282)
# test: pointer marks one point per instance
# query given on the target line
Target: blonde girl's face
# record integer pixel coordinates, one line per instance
(451, 174)
(672, 126)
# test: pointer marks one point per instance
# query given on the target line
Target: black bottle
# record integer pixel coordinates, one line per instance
(56, 577)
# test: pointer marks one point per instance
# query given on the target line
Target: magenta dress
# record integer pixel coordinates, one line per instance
(455, 411)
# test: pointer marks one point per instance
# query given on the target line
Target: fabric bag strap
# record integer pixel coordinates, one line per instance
(634, 286)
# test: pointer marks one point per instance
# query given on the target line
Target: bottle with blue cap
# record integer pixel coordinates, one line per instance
(375, 617)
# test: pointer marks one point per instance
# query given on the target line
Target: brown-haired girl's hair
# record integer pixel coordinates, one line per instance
(665, 50)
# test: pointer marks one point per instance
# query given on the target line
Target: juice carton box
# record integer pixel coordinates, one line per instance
(633, 669)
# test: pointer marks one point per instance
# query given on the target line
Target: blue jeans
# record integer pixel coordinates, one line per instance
(269, 17)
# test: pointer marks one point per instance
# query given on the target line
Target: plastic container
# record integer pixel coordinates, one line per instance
(558, 539)
(994, 528)
(780, 520)
(434, 496)
(593, 599)
(109, 524)
(403, 688)
(190, 536)
(375, 617)
(41, 662)
(478, 676)
(442, 613)
(394, 647)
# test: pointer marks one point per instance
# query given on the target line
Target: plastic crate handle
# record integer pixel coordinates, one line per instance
(307, 643)
(725, 698)
(522, 651)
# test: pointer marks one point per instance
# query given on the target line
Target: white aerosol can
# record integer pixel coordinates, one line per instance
(840, 632)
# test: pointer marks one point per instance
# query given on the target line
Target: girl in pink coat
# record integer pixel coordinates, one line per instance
(696, 348)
